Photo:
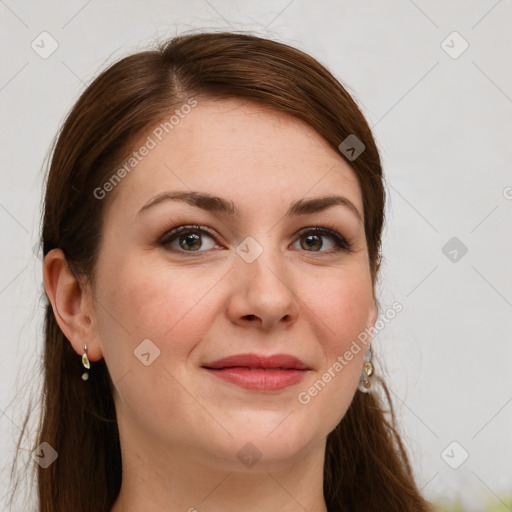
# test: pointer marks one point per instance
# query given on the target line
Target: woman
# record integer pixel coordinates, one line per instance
(211, 233)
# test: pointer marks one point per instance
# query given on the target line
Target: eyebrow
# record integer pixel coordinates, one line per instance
(216, 204)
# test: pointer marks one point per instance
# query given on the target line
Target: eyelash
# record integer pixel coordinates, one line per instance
(340, 242)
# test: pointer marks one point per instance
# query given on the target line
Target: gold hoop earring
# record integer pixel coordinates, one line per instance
(365, 381)
(86, 363)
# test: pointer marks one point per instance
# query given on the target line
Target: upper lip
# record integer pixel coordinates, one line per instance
(284, 361)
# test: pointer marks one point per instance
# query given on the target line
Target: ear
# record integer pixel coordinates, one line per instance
(71, 304)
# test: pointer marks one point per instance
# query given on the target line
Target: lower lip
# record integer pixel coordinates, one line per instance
(260, 379)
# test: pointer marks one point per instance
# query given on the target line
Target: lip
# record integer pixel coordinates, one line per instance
(282, 361)
(259, 372)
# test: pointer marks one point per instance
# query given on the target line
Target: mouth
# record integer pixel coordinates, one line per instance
(259, 372)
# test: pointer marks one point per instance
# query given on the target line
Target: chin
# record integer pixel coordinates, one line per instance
(262, 448)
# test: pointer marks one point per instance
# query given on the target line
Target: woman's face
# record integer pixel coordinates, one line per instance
(258, 281)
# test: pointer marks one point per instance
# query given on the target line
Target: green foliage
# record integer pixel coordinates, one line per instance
(495, 505)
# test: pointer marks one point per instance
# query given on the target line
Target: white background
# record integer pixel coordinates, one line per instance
(444, 128)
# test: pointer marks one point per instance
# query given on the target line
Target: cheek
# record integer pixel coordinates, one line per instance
(341, 314)
(151, 302)
(343, 306)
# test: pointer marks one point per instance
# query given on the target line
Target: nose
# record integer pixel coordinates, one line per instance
(263, 294)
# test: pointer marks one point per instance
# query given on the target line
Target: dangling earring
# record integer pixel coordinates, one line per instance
(86, 363)
(365, 383)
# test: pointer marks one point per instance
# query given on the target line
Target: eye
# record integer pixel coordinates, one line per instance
(311, 238)
(188, 238)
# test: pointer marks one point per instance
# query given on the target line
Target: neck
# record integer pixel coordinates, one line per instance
(156, 480)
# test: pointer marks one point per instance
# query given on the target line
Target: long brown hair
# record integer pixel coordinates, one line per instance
(366, 465)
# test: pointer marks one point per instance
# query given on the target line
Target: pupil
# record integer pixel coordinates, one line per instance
(190, 240)
(313, 240)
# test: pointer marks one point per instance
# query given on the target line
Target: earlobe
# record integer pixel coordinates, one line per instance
(70, 307)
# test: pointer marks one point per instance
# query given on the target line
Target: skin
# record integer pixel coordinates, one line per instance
(180, 427)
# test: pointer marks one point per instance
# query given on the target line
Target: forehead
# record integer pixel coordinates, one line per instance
(236, 149)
